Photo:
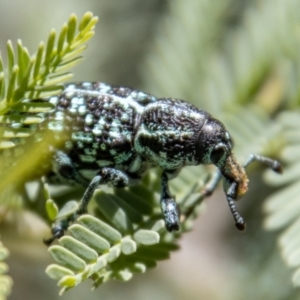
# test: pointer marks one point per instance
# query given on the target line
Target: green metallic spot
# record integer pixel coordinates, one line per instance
(82, 136)
(89, 151)
(69, 145)
(87, 158)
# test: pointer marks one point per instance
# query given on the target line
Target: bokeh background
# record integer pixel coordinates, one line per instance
(219, 55)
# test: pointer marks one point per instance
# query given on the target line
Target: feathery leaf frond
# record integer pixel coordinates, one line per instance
(40, 75)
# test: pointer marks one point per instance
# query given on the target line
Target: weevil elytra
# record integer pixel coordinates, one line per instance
(118, 133)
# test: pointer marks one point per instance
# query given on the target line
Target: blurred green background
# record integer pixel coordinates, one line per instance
(220, 55)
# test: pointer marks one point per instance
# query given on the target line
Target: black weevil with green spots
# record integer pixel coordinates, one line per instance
(116, 134)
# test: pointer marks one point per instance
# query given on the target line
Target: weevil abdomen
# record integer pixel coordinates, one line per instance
(101, 121)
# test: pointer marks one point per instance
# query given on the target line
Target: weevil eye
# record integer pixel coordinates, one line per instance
(218, 153)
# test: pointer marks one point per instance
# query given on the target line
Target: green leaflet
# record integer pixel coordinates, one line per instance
(89, 238)
(67, 258)
(52, 209)
(99, 227)
(146, 237)
(57, 272)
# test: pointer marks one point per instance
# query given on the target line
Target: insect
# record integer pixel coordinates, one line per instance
(118, 133)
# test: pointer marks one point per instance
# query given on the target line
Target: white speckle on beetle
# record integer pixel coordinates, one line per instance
(59, 116)
(87, 84)
(69, 95)
(77, 101)
(96, 131)
(53, 100)
(89, 119)
(82, 110)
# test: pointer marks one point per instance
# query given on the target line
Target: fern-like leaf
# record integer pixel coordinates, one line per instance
(283, 207)
(26, 81)
(38, 76)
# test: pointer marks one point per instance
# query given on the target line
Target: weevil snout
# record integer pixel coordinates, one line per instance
(233, 172)
(236, 181)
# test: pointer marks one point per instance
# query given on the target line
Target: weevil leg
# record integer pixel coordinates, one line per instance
(58, 229)
(271, 163)
(208, 189)
(212, 184)
(168, 206)
(231, 196)
(64, 167)
(88, 194)
(105, 175)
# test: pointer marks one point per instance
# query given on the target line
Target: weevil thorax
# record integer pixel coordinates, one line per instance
(214, 146)
(168, 132)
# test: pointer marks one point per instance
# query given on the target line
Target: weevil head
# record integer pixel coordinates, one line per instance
(214, 146)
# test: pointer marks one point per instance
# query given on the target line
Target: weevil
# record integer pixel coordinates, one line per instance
(118, 133)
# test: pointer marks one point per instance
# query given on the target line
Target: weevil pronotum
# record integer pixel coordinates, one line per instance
(118, 133)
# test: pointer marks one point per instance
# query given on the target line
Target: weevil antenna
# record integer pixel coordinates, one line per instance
(270, 163)
(230, 196)
(212, 183)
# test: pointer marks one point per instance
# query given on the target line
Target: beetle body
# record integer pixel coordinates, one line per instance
(131, 131)
(116, 134)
